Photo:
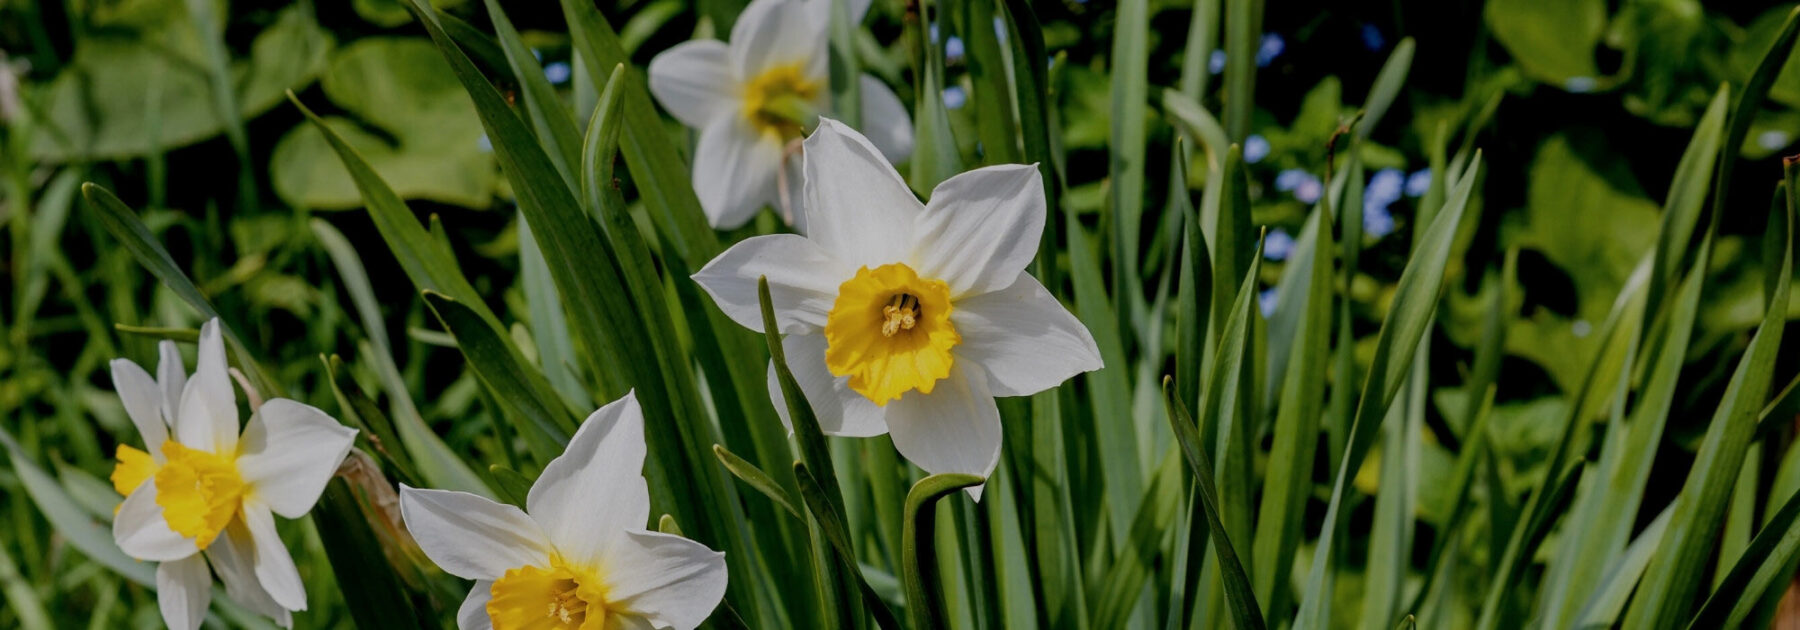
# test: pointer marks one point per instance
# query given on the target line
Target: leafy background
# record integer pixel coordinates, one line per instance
(1582, 110)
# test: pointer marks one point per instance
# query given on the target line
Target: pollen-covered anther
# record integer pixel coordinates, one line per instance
(901, 313)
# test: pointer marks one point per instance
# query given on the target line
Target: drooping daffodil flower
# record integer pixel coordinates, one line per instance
(908, 318)
(578, 556)
(201, 491)
(749, 99)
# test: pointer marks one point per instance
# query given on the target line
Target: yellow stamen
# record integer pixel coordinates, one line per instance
(775, 100)
(889, 331)
(199, 492)
(559, 597)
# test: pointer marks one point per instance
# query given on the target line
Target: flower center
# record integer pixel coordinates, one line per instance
(199, 492)
(780, 99)
(890, 332)
(560, 597)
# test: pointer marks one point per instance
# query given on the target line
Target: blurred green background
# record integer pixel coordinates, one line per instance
(1582, 108)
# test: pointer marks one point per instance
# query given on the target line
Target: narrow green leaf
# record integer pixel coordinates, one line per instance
(661, 175)
(1288, 481)
(1608, 602)
(93, 539)
(1759, 569)
(667, 525)
(1414, 305)
(1749, 103)
(435, 461)
(538, 411)
(554, 125)
(1669, 583)
(1129, 73)
(918, 567)
(1386, 87)
(935, 156)
(1243, 33)
(756, 478)
(993, 93)
(513, 487)
(371, 589)
(182, 335)
(1241, 599)
(125, 226)
(839, 537)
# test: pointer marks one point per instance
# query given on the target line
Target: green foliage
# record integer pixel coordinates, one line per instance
(1501, 345)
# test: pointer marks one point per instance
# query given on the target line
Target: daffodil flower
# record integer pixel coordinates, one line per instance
(201, 491)
(577, 557)
(748, 97)
(907, 318)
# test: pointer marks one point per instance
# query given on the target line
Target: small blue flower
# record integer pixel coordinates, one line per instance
(1291, 179)
(1371, 37)
(1309, 190)
(1277, 245)
(483, 143)
(1271, 47)
(955, 97)
(953, 49)
(1579, 85)
(1774, 139)
(1255, 148)
(1581, 328)
(934, 33)
(557, 72)
(1418, 183)
(1377, 221)
(1216, 63)
(1384, 188)
(1000, 29)
(1267, 300)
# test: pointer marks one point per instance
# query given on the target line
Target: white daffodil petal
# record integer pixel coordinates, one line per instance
(841, 411)
(143, 403)
(803, 282)
(233, 557)
(954, 429)
(473, 614)
(209, 415)
(588, 496)
(669, 580)
(171, 376)
(734, 171)
(142, 533)
(274, 566)
(183, 592)
(884, 119)
(858, 208)
(694, 81)
(982, 228)
(469, 536)
(771, 33)
(1026, 341)
(790, 192)
(290, 450)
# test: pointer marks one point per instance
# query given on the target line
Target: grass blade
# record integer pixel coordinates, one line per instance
(756, 478)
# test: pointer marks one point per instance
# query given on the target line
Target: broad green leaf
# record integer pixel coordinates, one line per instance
(554, 125)
(421, 134)
(96, 104)
(1129, 74)
(1552, 40)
